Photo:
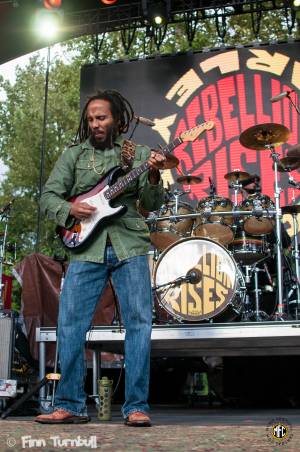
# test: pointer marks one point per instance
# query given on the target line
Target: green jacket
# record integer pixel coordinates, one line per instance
(75, 172)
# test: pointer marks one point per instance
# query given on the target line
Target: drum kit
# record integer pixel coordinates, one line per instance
(224, 260)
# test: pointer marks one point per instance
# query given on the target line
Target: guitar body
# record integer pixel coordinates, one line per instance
(78, 235)
(110, 186)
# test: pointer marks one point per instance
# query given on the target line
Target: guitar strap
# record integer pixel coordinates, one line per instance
(127, 155)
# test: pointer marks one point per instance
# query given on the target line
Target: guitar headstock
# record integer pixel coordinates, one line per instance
(192, 134)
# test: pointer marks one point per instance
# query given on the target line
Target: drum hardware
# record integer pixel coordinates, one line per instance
(235, 178)
(267, 137)
(292, 182)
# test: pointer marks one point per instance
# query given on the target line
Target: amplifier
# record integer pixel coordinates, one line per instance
(6, 344)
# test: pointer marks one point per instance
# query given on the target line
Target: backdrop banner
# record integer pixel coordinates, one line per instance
(231, 87)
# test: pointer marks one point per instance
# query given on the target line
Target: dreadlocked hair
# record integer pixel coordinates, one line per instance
(121, 110)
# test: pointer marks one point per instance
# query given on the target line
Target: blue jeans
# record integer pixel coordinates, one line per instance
(84, 283)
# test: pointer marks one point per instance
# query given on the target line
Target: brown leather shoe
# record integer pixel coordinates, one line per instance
(61, 416)
(138, 419)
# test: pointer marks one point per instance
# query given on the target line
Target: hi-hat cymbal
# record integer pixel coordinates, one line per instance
(291, 209)
(288, 164)
(189, 180)
(236, 175)
(262, 135)
(294, 151)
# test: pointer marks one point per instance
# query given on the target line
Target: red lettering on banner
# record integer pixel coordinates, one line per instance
(210, 105)
(276, 106)
(247, 119)
(261, 118)
(221, 169)
(193, 112)
(227, 90)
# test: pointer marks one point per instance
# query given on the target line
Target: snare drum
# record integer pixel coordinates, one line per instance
(248, 249)
(257, 225)
(215, 227)
(218, 294)
(164, 233)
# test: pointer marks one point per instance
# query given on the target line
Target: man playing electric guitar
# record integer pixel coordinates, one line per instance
(113, 248)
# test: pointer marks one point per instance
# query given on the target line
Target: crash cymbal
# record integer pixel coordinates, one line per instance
(189, 180)
(291, 209)
(262, 135)
(170, 162)
(288, 164)
(294, 151)
(236, 175)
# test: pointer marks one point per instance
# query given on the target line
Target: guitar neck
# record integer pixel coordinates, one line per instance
(124, 181)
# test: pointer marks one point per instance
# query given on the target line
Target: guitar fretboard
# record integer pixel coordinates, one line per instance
(124, 181)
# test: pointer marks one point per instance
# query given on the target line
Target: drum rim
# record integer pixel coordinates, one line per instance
(218, 310)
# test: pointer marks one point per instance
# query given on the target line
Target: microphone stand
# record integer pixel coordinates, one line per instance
(293, 103)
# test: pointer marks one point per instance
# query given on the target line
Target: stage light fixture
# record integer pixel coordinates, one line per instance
(296, 3)
(158, 12)
(108, 2)
(47, 23)
(52, 4)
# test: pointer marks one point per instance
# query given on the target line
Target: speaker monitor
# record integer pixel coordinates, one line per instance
(6, 344)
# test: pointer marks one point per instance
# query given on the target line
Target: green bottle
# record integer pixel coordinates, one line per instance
(105, 394)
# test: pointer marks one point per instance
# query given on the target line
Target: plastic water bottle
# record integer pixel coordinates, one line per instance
(105, 394)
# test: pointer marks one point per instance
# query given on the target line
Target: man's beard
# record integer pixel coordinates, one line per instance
(108, 142)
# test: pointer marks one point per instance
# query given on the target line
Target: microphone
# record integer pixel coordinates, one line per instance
(281, 96)
(193, 276)
(144, 121)
(294, 183)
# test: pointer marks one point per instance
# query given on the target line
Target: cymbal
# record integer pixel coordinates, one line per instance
(288, 164)
(294, 151)
(291, 209)
(262, 135)
(236, 175)
(189, 180)
(170, 162)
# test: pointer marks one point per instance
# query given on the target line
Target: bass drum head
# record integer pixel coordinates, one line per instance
(217, 290)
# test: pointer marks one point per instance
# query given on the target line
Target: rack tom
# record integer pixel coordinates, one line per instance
(258, 223)
(215, 227)
(164, 233)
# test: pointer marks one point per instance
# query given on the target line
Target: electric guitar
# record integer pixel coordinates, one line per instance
(109, 187)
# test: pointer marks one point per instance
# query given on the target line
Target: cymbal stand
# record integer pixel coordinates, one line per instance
(236, 186)
(279, 314)
(296, 255)
(176, 194)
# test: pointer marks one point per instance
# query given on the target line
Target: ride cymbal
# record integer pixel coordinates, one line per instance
(262, 135)
(236, 175)
(189, 180)
(288, 164)
(290, 209)
(294, 151)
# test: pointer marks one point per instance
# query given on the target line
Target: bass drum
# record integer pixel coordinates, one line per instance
(219, 292)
